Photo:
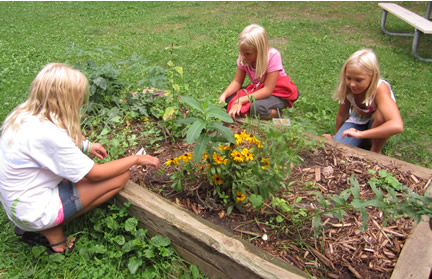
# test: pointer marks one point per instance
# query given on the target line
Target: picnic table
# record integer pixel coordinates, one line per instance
(421, 24)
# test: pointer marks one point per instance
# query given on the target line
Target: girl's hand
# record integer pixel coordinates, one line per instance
(98, 150)
(222, 99)
(351, 132)
(148, 160)
(235, 110)
(327, 136)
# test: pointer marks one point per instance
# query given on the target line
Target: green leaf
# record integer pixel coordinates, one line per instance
(218, 113)
(188, 120)
(169, 111)
(195, 271)
(160, 241)
(200, 147)
(120, 240)
(98, 249)
(355, 187)
(193, 103)
(133, 264)
(365, 218)
(38, 250)
(226, 132)
(131, 224)
(100, 82)
(166, 252)
(194, 131)
(256, 200)
(179, 70)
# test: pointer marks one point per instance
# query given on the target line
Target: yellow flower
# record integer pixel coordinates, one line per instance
(256, 141)
(186, 157)
(245, 136)
(169, 162)
(176, 161)
(224, 147)
(205, 156)
(237, 156)
(219, 159)
(217, 180)
(238, 139)
(240, 197)
(247, 154)
(265, 161)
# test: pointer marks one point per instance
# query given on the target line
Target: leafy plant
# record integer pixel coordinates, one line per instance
(247, 171)
(207, 129)
(393, 198)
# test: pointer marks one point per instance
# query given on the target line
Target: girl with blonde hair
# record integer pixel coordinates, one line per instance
(367, 105)
(271, 87)
(45, 177)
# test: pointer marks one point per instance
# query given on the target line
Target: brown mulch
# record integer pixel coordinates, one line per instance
(343, 250)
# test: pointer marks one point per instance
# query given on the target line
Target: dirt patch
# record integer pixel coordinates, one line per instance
(341, 251)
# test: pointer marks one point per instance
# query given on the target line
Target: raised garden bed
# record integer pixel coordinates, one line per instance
(221, 251)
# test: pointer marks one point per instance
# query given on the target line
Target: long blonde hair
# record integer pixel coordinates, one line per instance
(366, 60)
(254, 37)
(56, 95)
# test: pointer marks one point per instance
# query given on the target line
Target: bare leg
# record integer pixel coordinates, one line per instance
(378, 144)
(270, 116)
(93, 194)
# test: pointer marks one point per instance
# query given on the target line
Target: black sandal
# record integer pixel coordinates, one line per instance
(50, 250)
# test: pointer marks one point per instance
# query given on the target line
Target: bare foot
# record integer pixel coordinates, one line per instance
(61, 246)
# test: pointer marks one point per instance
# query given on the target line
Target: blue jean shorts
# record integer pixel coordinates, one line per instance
(70, 198)
(362, 143)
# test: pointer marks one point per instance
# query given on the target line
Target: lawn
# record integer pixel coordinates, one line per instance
(314, 38)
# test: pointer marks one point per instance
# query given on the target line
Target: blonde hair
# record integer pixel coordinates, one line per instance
(366, 60)
(56, 95)
(254, 37)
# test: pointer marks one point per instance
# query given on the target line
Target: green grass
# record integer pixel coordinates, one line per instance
(314, 38)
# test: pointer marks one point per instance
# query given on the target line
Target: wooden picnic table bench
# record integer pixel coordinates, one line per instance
(421, 24)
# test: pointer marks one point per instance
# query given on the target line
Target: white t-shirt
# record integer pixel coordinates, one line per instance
(40, 156)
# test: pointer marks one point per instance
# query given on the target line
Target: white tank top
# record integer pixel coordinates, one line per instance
(366, 114)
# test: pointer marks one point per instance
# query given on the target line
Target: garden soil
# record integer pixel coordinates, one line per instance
(343, 250)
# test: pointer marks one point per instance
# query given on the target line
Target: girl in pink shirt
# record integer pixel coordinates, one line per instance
(271, 87)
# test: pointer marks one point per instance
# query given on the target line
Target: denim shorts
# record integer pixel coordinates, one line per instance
(70, 198)
(362, 143)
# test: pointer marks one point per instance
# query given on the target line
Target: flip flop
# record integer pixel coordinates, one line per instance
(50, 250)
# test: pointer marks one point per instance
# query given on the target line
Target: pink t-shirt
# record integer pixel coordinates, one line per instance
(275, 64)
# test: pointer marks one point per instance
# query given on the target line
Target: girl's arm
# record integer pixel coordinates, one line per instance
(262, 93)
(341, 117)
(234, 86)
(114, 168)
(266, 91)
(342, 114)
